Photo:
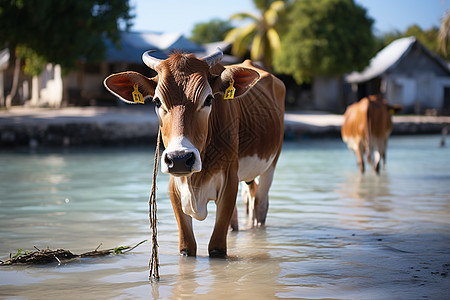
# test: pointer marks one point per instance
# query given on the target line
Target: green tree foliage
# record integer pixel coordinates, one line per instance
(212, 31)
(325, 38)
(34, 63)
(444, 33)
(261, 35)
(386, 38)
(430, 38)
(62, 31)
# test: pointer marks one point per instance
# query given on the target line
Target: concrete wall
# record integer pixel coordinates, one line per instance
(417, 93)
(326, 91)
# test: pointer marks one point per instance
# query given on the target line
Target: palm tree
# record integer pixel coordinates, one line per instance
(444, 32)
(261, 35)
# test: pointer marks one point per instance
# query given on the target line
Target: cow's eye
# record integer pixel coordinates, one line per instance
(157, 102)
(208, 100)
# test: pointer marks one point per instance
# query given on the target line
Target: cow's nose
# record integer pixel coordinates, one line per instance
(180, 162)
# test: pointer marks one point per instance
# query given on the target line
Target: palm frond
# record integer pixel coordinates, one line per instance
(274, 39)
(277, 6)
(243, 16)
(242, 40)
(257, 52)
(261, 33)
(233, 34)
(270, 17)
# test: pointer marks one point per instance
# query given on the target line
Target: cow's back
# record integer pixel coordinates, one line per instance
(251, 126)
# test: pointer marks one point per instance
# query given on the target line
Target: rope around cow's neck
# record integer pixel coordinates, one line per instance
(154, 260)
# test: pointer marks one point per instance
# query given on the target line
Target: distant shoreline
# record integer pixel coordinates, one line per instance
(138, 125)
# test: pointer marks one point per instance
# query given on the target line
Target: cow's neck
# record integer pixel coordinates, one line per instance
(195, 193)
(187, 196)
(220, 150)
(222, 141)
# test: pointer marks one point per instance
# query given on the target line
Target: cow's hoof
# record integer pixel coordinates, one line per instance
(185, 252)
(218, 253)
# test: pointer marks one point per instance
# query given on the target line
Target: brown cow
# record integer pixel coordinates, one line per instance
(367, 126)
(211, 143)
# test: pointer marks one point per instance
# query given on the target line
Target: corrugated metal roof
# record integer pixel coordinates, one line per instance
(383, 61)
(134, 44)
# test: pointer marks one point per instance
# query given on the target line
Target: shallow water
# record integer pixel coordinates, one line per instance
(330, 234)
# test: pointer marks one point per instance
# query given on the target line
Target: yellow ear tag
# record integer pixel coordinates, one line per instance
(137, 96)
(229, 92)
(392, 111)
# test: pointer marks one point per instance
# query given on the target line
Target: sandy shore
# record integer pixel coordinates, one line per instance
(138, 124)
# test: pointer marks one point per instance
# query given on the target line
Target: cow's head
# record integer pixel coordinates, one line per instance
(184, 92)
(392, 108)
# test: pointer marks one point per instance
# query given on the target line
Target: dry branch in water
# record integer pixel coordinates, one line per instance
(60, 255)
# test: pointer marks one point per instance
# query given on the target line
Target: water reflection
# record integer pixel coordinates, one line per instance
(186, 282)
(330, 232)
(239, 274)
(368, 190)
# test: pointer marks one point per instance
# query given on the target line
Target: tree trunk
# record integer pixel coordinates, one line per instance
(34, 91)
(15, 83)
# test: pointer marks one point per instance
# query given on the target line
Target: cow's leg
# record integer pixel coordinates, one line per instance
(359, 156)
(383, 154)
(248, 197)
(379, 153)
(377, 167)
(377, 161)
(187, 244)
(262, 196)
(225, 207)
(245, 195)
(234, 223)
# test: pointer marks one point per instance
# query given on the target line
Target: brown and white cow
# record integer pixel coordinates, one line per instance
(211, 143)
(367, 126)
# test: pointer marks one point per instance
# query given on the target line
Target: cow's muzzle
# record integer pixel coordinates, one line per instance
(179, 162)
(181, 158)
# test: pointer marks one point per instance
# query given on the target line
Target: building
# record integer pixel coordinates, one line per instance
(85, 86)
(406, 73)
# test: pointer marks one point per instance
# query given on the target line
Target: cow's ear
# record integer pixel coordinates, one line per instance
(240, 78)
(394, 108)
(123, 85)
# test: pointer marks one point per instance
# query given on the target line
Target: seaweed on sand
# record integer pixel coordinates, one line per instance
(60, 255)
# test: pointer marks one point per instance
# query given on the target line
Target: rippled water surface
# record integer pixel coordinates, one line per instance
(330, 233)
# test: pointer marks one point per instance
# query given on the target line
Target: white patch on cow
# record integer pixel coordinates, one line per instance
(194, 201)
(246, 195)
(351, 143)
(188, 202)
(252, 166)
(376, 157)
(181, 143)
(378, 147)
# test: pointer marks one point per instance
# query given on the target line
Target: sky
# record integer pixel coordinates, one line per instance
(180, 16)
